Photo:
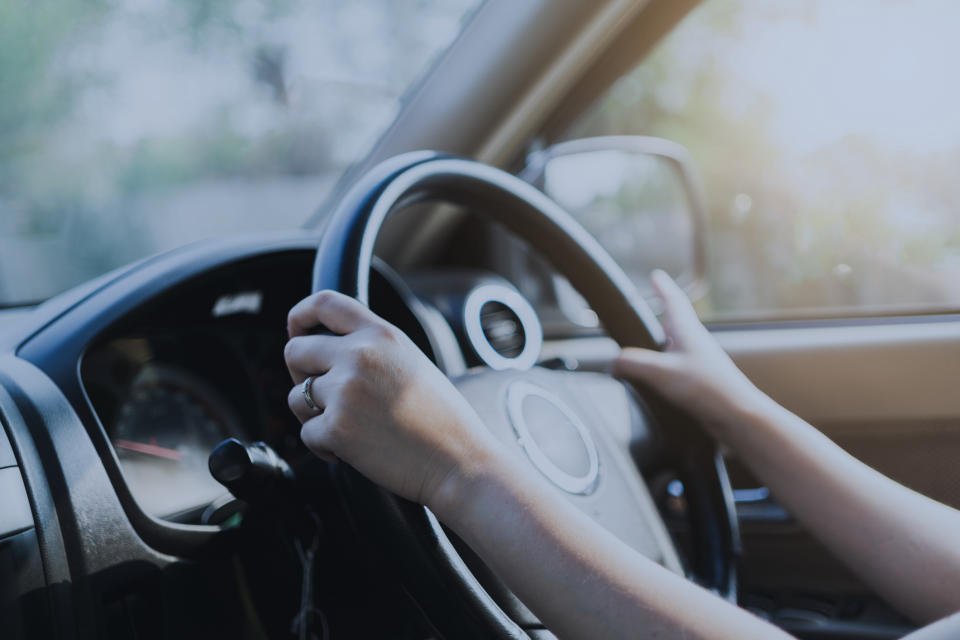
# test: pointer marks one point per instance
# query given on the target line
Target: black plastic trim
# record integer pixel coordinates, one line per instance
(58, 349)
(49, 537)
(15, 512)
(24, 605)
(7, 457)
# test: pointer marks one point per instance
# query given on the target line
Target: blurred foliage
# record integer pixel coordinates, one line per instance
(851, 226)
(128, 128)
(36, 91)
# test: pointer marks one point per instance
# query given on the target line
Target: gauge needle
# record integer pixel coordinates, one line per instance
(148, 449)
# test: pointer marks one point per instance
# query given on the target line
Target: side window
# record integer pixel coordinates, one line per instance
(828, 141)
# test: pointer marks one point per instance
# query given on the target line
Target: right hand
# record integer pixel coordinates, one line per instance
(382, 406)
(694, 371)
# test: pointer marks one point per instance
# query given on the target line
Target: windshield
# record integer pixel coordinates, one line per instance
(129, 128)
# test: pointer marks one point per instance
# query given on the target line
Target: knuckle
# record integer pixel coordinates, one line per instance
(336, 433)
(386, 332)
(295, 401)
(396, 337)
(322, 299)
(312, 436)
(293, 398)
(294, 312)
(353, 390)
(365, 355)
(291, 350)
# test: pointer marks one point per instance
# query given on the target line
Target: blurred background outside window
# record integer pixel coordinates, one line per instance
(827, 135)
(131, 127)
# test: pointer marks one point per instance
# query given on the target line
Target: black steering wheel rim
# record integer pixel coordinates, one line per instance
(346, 246)
(344, 259)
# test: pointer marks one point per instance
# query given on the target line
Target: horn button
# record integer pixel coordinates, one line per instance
(555, 439)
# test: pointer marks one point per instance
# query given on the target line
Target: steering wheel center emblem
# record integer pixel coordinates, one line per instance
(554, 438)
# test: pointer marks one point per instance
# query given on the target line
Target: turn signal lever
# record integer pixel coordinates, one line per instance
(279, 522)
(253, 472)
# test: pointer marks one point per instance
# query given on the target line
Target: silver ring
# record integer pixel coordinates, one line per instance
(308, 398)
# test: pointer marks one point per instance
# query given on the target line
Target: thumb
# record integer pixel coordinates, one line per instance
(644, 365)
(680, 318)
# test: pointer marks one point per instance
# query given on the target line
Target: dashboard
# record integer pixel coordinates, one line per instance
(204, 362)
(197, 365)
(114, 393)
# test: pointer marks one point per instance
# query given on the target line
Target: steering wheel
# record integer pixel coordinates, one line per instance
(585, 449)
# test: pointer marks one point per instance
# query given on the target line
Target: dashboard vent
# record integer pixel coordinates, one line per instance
(502, 328)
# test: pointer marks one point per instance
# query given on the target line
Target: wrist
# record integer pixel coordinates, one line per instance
(463, 482)
(747, 411)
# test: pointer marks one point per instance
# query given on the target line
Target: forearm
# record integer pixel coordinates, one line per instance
(901, 543)
(579, 579)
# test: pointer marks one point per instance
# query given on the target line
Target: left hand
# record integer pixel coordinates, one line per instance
(383, 407)
(694, 372)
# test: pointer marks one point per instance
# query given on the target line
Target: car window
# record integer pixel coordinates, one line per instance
(127, 128)
(827, 136)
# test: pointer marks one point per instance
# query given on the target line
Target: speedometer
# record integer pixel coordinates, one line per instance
(164, 431)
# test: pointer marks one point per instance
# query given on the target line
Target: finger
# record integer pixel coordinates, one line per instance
(311, 355)
(311, 435)
(335, 311)
(680, 318)
(297, 400)
(644, 365)
(317, 435)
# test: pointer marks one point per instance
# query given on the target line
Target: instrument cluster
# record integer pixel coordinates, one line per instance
(204, 362)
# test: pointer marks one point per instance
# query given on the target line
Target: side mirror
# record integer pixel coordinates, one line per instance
(638, 196)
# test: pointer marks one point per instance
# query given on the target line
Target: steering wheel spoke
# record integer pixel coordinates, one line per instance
(575, 430)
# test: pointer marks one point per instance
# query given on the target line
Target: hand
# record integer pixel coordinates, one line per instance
(383, 408)
(694, 372)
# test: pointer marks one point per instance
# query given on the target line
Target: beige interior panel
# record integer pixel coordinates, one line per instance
(889, 394)
(867, 376)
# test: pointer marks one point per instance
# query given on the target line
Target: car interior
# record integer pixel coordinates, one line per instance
(153, 483)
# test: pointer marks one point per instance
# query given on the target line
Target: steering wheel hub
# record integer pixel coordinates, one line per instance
(553, 437)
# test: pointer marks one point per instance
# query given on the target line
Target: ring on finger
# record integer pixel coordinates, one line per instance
(308, 395)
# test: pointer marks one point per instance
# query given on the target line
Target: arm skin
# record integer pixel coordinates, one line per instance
(904, 545)
(579, 579)
(901, 543)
